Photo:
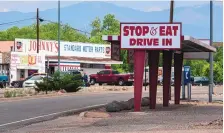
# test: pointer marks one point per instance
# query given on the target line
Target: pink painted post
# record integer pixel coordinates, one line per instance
(139, 62)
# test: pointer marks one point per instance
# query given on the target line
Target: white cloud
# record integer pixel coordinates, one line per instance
(4, 10)
(154, 9)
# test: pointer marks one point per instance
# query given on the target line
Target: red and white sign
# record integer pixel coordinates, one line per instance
(151, 35)
(50, 47)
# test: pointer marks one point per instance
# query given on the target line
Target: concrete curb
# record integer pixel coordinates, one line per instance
(19, 124)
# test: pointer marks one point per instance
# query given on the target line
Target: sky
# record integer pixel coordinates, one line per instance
(30, 6)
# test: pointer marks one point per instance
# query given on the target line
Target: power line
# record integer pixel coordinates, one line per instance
(12, 22)
(63, 25)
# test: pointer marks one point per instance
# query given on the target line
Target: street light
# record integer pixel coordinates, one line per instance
(211, 54)
(59, 35)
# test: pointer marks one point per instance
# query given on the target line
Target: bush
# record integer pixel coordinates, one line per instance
(68, 82)
(19, 92)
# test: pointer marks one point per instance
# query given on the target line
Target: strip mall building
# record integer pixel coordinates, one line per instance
(74, 55)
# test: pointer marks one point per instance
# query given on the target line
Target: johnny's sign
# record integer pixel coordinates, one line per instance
(150, 35)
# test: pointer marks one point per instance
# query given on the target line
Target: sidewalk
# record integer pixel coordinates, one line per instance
(189, 117)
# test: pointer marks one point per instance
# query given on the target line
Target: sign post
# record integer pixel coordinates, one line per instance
(139, 37)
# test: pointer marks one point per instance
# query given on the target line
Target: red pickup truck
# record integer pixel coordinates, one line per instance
(111, 77)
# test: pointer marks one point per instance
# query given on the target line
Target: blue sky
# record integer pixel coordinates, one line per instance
(30, 6)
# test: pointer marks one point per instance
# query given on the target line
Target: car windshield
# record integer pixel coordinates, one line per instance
(197, 78)
(38, 77)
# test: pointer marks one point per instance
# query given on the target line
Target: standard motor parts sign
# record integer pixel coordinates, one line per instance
(151, 35)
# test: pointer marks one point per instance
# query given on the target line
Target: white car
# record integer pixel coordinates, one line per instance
(31, 82)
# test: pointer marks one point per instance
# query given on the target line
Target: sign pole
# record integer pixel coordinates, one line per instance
(139, 60)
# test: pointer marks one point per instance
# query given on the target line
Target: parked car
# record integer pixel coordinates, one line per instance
(31, 82)
(200, 81)
(111, 77)
(19, 83)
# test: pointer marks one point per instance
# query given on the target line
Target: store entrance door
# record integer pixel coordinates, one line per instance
(30, 72)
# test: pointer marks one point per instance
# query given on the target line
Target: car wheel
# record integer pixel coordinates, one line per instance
(100, 84)
(92, 81)
(16, 85)
(121, 82)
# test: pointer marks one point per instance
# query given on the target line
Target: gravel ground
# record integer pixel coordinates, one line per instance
(190, 117)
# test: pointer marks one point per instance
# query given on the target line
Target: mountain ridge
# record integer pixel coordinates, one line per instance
(195, 19)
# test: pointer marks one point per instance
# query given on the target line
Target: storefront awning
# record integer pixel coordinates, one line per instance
(84, 60)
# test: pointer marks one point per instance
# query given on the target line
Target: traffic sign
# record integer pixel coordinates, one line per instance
(187, 74)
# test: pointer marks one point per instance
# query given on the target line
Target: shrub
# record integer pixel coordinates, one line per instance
(68, 82)
(19, 92)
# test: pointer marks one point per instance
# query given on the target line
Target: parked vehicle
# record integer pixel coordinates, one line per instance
(200, 81)
(19, 83)
(3, 81)
(111, 77)
(31, 82)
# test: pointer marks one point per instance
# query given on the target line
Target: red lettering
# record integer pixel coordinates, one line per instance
(149, 42)
(162, 31)
(166, 42)
(56, 46)
(132, 42)
(145, 30)
(169, 31)
(38, 45)
(156, 42)
(34, 45)
(175, 28)
(51, 46)
(43, 46)
(132, 28)
(144, 42)
(47, 46)
(126, 31)
(139, 42)
(30, 46)
(138, 31)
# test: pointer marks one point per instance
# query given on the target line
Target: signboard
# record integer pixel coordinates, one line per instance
(150, 35)
(198, 55)
(115, 51)
(187, 75)
(50, 47)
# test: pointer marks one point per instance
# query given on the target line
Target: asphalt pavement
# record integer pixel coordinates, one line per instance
(16, 111)
(11, 112)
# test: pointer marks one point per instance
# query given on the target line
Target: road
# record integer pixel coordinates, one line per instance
(25, 109)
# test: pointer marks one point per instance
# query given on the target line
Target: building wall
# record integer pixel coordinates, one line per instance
(25, 62)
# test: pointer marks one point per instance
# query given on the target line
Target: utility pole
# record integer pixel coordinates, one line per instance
(37, 30)
(211, 54)
(59, 35)
(171, 11)
(171, 21)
